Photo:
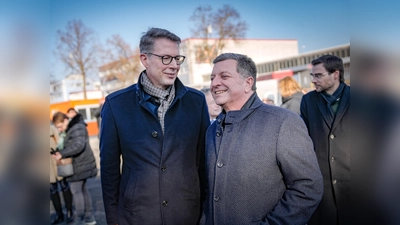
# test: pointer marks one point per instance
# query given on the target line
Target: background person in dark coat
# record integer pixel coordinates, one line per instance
(71, 113)
(326, 114)
(97, 114)
(291, 94)
(75, 144)
(260, 163)
(158, 127)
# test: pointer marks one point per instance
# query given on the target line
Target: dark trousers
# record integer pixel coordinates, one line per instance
(82, 199)
(55, 197)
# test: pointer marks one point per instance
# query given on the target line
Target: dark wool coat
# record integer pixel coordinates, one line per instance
(332, 147)
(292, 102)
(261, 168)
(159, 181)
(76, 145)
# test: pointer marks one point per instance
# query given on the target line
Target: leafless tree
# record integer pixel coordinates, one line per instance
(77, 49)
(226, 24)
(120, 61)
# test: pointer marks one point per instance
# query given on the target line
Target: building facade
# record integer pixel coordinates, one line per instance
(71, 88)
(196, 69)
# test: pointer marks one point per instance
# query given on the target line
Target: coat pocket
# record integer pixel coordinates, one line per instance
(129, 195)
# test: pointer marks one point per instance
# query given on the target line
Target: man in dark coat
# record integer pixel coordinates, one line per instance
(158, 127)
(326, 114)
(260, 163)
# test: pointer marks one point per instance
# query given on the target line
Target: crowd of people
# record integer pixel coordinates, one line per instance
(171, 154)
(69, 139)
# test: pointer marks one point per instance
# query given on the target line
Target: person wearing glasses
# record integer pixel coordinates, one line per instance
(156, 128)
(325, 112)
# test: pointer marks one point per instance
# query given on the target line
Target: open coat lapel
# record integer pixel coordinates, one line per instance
(343, 106)
(323, 109)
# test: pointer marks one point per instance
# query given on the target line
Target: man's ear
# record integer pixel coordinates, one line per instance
(249, 84)
(337, 75)
(144, 59)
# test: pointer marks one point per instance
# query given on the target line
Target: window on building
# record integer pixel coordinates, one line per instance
(83, 113)
(87, 112)
(92, 111)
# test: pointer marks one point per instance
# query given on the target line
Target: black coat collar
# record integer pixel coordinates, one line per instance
(76, 119)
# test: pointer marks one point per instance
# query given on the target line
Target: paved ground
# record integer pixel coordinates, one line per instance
(94, 187)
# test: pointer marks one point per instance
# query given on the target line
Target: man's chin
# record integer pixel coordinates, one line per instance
(170, 82)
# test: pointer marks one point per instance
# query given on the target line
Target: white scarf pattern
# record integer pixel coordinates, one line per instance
(164, 97)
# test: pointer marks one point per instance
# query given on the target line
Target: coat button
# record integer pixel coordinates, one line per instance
(332, 136)
(154, 134)
(216, 198)
(163, 168)
(218, 134)
(334, 181)
(219, 120)
(332, 159)
(165, 203)
(220, 164)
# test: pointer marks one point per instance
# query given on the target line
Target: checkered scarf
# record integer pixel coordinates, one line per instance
(164, 97)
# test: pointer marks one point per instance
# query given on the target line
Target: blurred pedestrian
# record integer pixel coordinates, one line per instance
(158, 127)
(268, 98)
(325, 112)
(75, 144)
(97, 114)
(260, 163)
(71, 113)
(291, 94)
(55, 181)
(213, 109)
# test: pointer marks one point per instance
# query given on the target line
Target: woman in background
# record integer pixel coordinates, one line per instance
(75, 144)
(291, 94)
(54, 181)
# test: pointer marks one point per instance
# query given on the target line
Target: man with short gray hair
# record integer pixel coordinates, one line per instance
(260, 163)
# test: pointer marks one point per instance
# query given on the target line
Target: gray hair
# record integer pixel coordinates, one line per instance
(147, 40)
(245, 65)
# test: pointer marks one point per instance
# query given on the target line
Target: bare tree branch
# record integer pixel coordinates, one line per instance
(124, 64)
(222, 24)
(77, 49)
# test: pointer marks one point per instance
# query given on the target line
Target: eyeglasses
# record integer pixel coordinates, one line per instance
(317, 75)
(167, 59)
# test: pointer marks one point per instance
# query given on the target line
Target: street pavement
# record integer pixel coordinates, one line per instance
(94, 187)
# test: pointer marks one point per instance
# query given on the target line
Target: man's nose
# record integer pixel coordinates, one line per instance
(215, 81)
(313, 79)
